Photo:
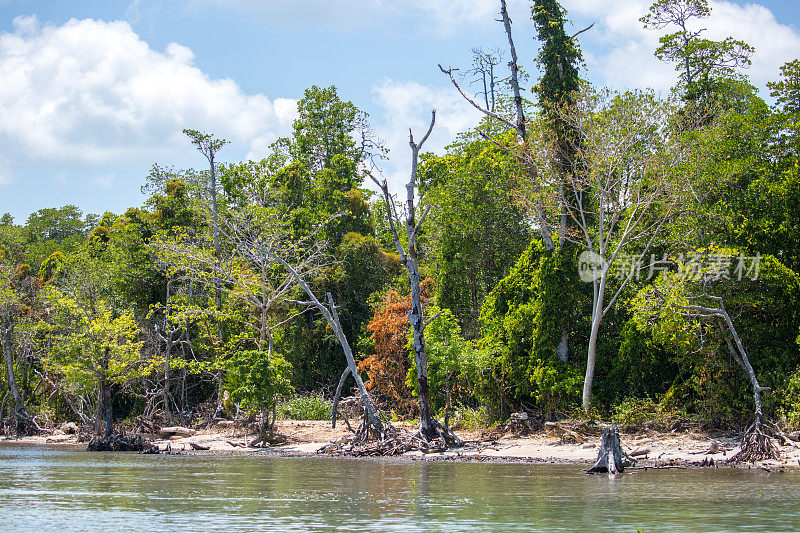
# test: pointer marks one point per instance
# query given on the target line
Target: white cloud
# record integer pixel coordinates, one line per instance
(92, 92)
(408, 105)
(437, 16)
(622, 50)
(449, 15)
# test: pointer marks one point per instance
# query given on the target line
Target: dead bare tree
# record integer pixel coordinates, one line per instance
(757, 443)
(483, 73)
(518, 124)
(429, 427)
(372, 419)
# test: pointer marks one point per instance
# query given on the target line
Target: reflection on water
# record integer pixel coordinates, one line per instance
(47, 489)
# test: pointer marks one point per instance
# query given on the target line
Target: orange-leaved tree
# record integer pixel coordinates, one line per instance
(387, 366)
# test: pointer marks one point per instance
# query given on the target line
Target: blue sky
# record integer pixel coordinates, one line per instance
(92, 93)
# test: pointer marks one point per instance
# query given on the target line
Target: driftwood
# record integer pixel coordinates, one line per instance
(564, 433)
(611, 457)
(176, 430)
(196, 446)
(640, 451)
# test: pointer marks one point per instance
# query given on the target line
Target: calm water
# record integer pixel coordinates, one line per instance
(44, 490)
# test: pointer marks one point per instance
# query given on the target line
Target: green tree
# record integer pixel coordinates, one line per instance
(478, 229)
(94, 344)
(704, 65)
(256, 378)
(18, 293)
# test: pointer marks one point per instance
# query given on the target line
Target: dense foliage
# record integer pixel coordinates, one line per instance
(178, 309)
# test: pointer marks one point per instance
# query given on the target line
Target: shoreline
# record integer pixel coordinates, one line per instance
(305, 437)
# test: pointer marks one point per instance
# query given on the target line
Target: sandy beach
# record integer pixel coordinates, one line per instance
(306, 437)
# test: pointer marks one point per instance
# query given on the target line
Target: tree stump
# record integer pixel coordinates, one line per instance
(611, 458)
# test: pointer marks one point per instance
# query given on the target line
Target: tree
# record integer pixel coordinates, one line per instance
(483, 65)
(256, 379)
(720, 301)
(207, 145)
(559, 59)
(623, 193)
(429, 427)
(477, 227)
(372, 419)
(18, 289)
(316, 174)
(95, 346)
(704, 65)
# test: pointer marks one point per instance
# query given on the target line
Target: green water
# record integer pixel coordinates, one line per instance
(45, 489)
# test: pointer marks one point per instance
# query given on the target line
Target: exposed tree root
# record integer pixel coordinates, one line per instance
(367, 441)
(611, 457)
(398, 444)
(757, 443)
(435, 432)
(269, 439)
(22, 422)
(117, 442)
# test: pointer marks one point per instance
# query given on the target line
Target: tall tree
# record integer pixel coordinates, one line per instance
(704, 65)
(208, 145)
(623, 196)
(429, 427)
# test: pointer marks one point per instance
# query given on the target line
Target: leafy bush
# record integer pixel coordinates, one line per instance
(523, 318)
(448, 353)
(311, 407)
(471, 419)
(636, 411)
(639, 411)
(791, 401)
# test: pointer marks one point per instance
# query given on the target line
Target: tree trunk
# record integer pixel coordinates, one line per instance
(22, 420)
(610, 457)
(415, 317)
(562, 350)
(597, 315)
(105, 409)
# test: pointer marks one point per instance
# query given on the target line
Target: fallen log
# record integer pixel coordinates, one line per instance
(176, 430)
(196, 446)
(640, 451)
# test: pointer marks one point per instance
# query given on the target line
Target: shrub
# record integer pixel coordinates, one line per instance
(640, 411)
(311, 407)
(471, 419)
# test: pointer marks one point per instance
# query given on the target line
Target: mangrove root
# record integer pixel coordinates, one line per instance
(117, 442)
(757, 444)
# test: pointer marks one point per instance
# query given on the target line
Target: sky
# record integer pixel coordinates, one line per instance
(94, 92)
